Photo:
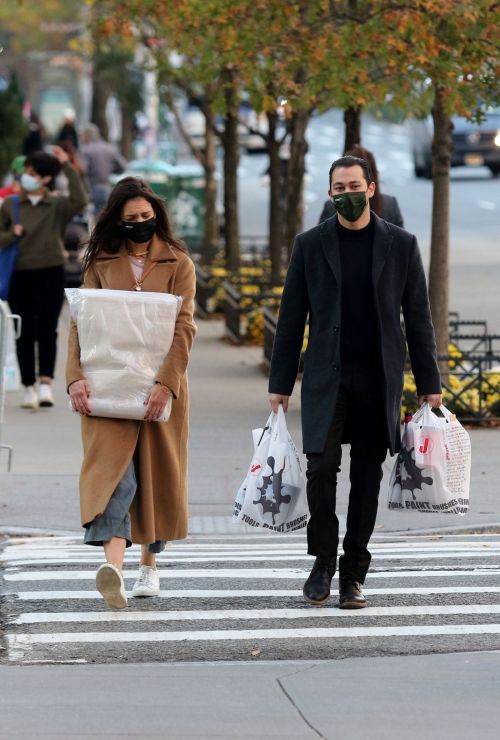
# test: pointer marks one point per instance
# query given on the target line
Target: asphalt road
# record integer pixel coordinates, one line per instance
(238, 597)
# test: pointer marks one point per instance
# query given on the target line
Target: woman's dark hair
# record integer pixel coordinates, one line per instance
(44, 165)
(376, 203)
(106, 236)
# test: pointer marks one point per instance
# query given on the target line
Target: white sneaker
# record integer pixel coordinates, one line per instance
(45, 397)
(30, 400)
(109, 583)
(148, 582)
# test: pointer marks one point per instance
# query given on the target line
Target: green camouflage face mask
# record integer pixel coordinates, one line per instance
(350, 205)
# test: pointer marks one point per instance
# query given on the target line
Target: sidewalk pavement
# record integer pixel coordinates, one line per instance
(391, 698)
(228, 399)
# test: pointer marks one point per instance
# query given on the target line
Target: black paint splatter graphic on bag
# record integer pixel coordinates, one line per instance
(414, 478)
(272, 484)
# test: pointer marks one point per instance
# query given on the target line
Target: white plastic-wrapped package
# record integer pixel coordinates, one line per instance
(124, 338)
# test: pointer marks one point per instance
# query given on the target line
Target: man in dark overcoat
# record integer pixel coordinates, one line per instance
(351, 276)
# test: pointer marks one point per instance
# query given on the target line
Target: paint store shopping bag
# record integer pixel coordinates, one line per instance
(432, 471)
(272, 495)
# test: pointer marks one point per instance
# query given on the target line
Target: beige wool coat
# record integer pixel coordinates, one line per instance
(159, 510)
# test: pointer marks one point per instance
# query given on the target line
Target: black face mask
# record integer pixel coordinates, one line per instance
(350, 205)
(138, 231)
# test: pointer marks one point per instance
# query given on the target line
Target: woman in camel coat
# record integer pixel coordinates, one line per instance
(133, 484)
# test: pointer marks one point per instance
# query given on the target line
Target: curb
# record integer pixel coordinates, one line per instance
(469, 529)
(13, 531)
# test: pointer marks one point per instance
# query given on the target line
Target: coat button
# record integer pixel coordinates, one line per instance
(335, 368)
(335, 329)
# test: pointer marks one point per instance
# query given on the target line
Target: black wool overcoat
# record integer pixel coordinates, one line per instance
(312, 289)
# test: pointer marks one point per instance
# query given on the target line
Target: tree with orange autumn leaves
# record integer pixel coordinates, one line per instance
(438, 56)
(441, 57)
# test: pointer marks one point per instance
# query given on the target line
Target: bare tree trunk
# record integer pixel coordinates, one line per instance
(352, 120)
(231, 160)
(295, 179)
(127, 123)
(440, 235)
(100, 94)
(275, 203)
(211, 227)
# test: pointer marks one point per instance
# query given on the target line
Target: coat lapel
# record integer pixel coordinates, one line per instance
(117, 270)
(330, 245)
(382, 243)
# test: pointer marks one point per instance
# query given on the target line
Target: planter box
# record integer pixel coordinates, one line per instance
(270, 322)
(204, 293)
(233, 313)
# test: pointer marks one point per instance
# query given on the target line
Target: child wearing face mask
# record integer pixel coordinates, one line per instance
(37, 286)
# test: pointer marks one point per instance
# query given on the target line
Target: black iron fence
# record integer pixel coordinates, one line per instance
(471, 388)
(487, 344)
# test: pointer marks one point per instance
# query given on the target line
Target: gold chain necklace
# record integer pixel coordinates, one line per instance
(138, 254)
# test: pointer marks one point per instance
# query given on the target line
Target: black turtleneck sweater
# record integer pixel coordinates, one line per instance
(359, 332)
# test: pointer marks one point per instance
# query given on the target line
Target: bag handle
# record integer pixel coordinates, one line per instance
(446, 413)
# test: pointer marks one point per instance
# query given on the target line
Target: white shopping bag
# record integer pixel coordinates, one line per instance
(272, 495)
(432, 471)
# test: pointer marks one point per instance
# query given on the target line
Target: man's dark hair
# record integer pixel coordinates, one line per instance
(350, 161)
(44, 164)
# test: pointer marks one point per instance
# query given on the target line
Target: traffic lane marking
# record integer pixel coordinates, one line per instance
(250, 614)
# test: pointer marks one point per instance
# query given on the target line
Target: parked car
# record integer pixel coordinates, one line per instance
(474, 144)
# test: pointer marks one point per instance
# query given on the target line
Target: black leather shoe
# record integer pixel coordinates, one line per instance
(317, 587)
(351, 595)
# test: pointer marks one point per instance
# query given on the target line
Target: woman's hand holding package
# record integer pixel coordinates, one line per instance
(156, 402)
(79, 392)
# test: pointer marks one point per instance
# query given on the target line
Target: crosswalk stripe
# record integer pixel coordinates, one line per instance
(171, 573)
(212, 559)
(429, 572)
(193, 549)
(21, 641)
(214, 615)
(61, 595)
(261, 557)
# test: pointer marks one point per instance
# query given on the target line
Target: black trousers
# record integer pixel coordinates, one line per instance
(37, 296)
(359, 416)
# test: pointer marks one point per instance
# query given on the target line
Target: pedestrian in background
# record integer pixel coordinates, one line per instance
(35, 138)
(37, 285)
(351, 276)
(385, 206)
(99, 160)
(133, 483)
(68, 130)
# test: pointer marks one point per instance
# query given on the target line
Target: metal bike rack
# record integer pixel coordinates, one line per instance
(5, 321)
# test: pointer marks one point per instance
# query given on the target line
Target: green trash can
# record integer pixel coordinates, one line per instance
(156, 172)
(185, 202)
